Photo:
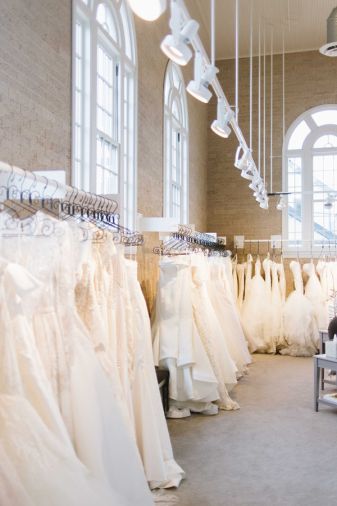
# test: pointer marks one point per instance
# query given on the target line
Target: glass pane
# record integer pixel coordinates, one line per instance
(325, 193)
(299, 135)
(105, 18)
(327, 117)
(107, 167)
(106, 93)
(295, 198)
(326, 141)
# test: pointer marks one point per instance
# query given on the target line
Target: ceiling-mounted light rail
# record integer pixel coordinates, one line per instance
(176, 47)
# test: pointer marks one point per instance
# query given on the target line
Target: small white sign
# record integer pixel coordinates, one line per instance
(239, 241)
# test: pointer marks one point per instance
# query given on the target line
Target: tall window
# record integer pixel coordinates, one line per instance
(310, 174)
(175, 145)
(104, 102)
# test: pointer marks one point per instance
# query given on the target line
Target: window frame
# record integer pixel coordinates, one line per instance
(175, 93)
(124, 55)
(305, 246)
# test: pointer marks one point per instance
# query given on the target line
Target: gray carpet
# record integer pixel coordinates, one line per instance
(274, 451)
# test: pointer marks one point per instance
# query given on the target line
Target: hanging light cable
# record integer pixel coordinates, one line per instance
(237, 5)
(251, 82)
(213, 32)
(259, 100)
(264, 102)
(283, 89)
(271, 104)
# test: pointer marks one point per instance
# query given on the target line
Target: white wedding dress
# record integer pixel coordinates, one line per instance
(222, 298)
(151, 430)
(211, 333)
(256, 312)
(299, 321)
(314, 292)
(177, 345)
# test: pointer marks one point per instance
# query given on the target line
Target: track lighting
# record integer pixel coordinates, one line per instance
(256, 184)
(198, 87)
(175, 45)
(149, 10)
(248, 173)
(241, 163)
(220, 126)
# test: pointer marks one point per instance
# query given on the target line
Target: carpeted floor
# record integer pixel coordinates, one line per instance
(274, 451)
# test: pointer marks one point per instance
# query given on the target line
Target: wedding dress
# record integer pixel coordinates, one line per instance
(177, 344)
(222, 299)
(276, 332)
(102, 438)
(150, 425)
(299, 322)
(255, 312)
(211, 333)
(46, 471)
(314, 292)
(235, 278)
(240, 269)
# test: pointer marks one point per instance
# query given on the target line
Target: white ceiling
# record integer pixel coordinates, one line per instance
(302, 21)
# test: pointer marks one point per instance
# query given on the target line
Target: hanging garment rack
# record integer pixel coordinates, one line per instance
(31, 192)
(187, 241)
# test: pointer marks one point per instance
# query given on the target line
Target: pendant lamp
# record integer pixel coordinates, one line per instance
(150, 10)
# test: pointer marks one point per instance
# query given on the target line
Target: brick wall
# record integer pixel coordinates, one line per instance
(35, 87)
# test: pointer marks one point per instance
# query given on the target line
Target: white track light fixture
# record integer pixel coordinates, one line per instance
(198, 87)
(241, 162)
(248, 172)
(256, 184)
(175, 45)
(220, 126)
(150, 10)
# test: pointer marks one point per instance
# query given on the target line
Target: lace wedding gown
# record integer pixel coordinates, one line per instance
(299, 322)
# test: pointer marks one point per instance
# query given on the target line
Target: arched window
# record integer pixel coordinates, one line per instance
(175, 145)
(310, 175)
(104, 102)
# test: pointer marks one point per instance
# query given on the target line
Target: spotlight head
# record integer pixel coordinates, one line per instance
(220, 125)
(199, 91)
(198, 87)
(241, 163)
(246, 174)
(175, 45)
(178, 52)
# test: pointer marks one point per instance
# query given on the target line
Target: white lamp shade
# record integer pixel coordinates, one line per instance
(199, 91)
(247, 175)
(179, 52)
(264, 204)
(222, 130)
(150, 10)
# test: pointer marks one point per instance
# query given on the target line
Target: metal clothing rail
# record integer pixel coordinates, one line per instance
(13, 179)
(29, 191)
